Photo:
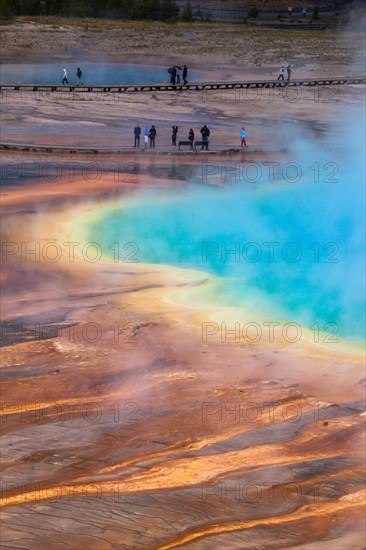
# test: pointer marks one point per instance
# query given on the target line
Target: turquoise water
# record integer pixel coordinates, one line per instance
(93, 73)
(319, 278)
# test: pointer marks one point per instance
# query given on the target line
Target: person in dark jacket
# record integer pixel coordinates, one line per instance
(289, 71)
(137, 133)
(191, 137)
(205, 135)
(184, 74)
(152, 136)
(174, 76)
(174, 136)
(78, 76)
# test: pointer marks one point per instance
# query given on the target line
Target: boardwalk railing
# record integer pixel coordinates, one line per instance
(164, 87)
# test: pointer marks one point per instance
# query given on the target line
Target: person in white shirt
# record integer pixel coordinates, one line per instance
(281, 73)
(64, 77)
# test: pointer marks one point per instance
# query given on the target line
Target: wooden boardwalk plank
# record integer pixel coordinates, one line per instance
(198, 86)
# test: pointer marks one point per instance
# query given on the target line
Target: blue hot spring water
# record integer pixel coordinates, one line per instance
(298, 246)
(93, 73)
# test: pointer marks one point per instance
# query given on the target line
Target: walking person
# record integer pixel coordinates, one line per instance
(191, 137)
(78, 76)
(137, 133)
(242, 137)
(146, 136)
(152, 136)
(64, 77)
(289, 71)
(205, 135)
(174, 136)
(281, 73)
(289, 11)
(173, 76)
(185, 74)
(304, 12)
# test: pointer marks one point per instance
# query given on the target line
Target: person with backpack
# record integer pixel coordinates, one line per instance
(205, 135)
(78, 76)
(174, 136)
(152, 136)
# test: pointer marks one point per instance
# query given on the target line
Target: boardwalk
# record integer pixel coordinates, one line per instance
(128, 150)
(194, 86)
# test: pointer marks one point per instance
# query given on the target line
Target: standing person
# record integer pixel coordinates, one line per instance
(179, 72)
(242, 137)
(64, 77)
(78, 76)
(289, 71)
(205, 135)
(185, 74)
(191, 137)
(174, 136)
(152, 136)
(289, 11)
(281, 73)
(304, 12)
(146, 136)
(137, 133)
(174, 76)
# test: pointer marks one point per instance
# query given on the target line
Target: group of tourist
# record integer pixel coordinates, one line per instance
(289, 11)
(281, 73)
(78, 77)
(176, 72)
(150, 135)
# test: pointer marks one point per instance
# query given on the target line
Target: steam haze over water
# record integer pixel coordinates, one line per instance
(317, 279)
